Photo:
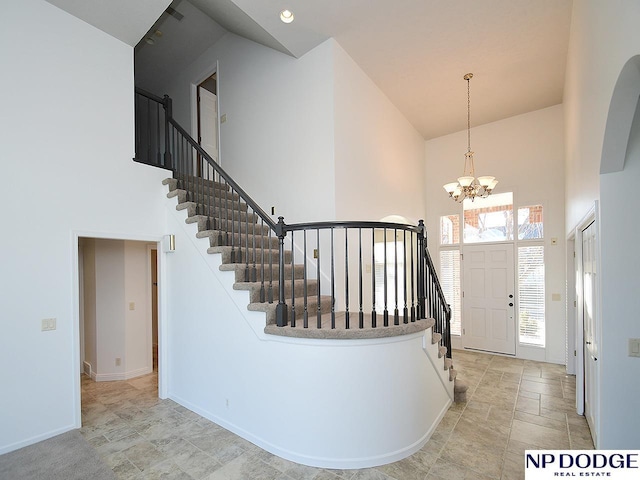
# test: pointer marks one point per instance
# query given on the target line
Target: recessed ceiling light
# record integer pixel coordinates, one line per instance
(286, 16)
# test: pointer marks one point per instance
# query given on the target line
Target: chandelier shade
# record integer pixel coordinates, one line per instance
(468, 186)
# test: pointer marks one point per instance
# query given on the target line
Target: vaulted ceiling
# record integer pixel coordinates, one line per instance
(416, 51)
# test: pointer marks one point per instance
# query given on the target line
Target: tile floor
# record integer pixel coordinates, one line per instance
(513, 405)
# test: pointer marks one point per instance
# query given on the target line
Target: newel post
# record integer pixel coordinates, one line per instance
(421, 270)
(281, 308)
(168, 113)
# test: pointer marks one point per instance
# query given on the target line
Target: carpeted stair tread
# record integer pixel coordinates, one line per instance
(258, 291)
(448, 364)
(442, 351)
(436, 337)
(187, 181)
(341, 332)
(206, 223)
(452, 374)
(222, 238)
(312, 306)
(190, 201)
(219, 210)
(460, 390)
(240, 255)
(242, 274)
(219, 213)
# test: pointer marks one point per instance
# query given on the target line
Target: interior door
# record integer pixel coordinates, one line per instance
(489, 285)
(590, 337)
(208, 122)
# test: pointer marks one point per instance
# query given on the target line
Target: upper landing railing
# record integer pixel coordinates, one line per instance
(349, 275)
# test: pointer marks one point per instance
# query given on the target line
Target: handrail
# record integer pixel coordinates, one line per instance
(150, 96)
(350, 224)
(219, 170)
(402, 289)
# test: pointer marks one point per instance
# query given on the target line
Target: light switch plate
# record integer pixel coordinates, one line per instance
(634, 347)
(48, 324)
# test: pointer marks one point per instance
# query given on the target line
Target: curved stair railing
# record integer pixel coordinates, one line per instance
(335, 275)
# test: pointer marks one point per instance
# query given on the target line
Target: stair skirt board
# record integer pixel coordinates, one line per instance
(348, 403)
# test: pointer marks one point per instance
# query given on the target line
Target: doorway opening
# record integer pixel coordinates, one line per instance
(118, 321)
(207, 116)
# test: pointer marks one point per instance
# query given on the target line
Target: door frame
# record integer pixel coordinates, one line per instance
(162, 323)
(195, 107)
(591, 217)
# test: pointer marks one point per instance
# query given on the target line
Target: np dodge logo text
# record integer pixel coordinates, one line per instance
(582, 460)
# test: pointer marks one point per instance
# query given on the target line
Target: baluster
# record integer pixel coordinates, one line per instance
(374, 322)
(385, 314)
(421, 266)
(233, 226)
(246, 239)
(413, 283)
(396, 314)
(268, 239)
(228, 228)
(405, 312)
(293, 278)
(270, 270)
(253, 232)
(333, 284)
(305, 313)
(168, 113)
(281, 308)
(319, 313)
(360, 312)
(346, 278)
(158, 156)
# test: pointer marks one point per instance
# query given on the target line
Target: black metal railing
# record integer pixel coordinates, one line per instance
(349, 275)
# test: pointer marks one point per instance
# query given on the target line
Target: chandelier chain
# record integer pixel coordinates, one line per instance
(468, 115)
(468, 186)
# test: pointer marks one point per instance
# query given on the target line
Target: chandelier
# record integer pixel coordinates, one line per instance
(468, 186)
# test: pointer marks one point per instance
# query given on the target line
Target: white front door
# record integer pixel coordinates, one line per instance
(488, 320)
(590, 338)
(208, 121)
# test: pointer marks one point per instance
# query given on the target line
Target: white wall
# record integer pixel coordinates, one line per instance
(110, 309)
(604, 37)
(137, 291)
(525, 153)
(619, 424)
(379, 156)
(277, 141)
(67, 143)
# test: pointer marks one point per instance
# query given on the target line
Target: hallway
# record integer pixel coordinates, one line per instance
(512, 405)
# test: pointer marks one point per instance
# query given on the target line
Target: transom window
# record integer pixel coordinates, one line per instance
(489, 219)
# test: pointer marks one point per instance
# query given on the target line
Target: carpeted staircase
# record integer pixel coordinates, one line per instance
(231, 223)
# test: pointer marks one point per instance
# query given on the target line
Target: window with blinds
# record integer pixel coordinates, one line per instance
(395, 263)
(531, 295)
(450, 283)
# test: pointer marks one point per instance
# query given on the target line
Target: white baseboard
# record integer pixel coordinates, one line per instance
(111, 377)
(36, 439)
